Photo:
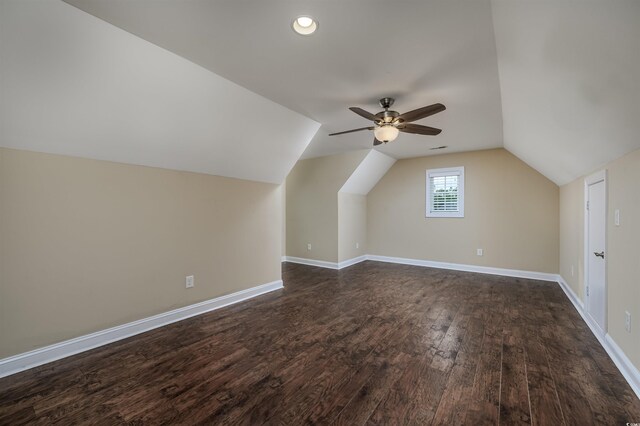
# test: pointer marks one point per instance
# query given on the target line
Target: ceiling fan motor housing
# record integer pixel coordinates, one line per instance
(387, 116)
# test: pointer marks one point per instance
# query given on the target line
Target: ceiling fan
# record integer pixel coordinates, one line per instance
(388, 124)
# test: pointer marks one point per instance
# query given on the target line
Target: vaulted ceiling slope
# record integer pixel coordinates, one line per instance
(553, 81)
(73, 84)
(418, 51)
(370, 170)
(569, 76)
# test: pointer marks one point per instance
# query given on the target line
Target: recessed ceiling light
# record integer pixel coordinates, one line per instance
(304, 25)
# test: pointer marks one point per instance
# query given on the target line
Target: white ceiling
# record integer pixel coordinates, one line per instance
(368, 173)
(570, 78)
(558, 77)
(419, 51)
(75, 85)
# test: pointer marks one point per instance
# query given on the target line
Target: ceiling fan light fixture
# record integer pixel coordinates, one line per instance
(388, 124)
(386, 133)
(304, 25)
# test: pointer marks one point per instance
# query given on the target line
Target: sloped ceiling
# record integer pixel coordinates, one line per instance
(553, 81)
(368, 173)
(73, 84)
(569, 76)
(418, 51)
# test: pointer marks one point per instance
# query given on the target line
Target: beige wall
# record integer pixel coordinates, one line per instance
(352, 225)
(511, 212)
(623, 265)
(623, 242)
(86, 244)
(312, 204)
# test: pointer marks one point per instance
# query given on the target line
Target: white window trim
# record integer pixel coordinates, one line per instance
(448, 171)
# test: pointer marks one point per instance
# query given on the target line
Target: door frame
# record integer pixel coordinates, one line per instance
(600, 176)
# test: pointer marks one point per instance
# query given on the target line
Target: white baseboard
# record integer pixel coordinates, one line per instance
(617, 355)
(24, 361)
(624, 364)
(543, 276)
(311, 262)
(324, 263)
(573, 297)
(353, 261)
(579, 305)
(426, 263)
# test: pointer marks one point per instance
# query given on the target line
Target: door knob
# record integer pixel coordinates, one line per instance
(601, 254)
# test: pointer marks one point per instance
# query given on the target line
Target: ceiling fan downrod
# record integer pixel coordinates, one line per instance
(386, 102)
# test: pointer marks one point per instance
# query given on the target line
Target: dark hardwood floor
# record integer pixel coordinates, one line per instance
(374, 343)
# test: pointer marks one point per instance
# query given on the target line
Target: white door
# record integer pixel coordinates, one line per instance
(596, 227)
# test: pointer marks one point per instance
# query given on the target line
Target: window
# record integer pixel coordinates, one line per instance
(445, 192)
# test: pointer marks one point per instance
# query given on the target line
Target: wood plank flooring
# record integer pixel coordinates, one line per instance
(372, 344)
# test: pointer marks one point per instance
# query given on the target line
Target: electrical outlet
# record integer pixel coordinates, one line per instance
(616, 217)
(479, 252)
(627, 321)
(357, 245)
(309, 246)
(190, 281)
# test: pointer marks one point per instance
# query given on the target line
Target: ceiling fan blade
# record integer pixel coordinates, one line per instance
(365, 114)
(376, 142)
(419, 129)
(350, 131)
(423, 112)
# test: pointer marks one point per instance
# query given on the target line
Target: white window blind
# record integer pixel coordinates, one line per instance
(445, 192)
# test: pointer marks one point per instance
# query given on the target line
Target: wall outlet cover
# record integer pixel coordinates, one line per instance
(190, 281)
